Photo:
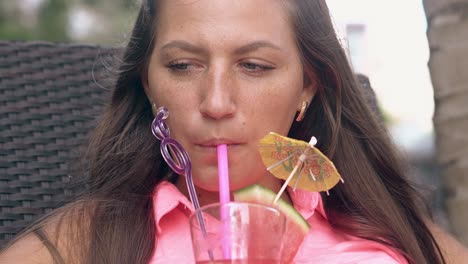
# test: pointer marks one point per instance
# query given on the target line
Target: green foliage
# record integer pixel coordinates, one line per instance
(53, 20)
(50, 22)
(12, 31)
(90, 2)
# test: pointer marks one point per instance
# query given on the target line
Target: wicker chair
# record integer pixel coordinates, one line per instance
(49, 96)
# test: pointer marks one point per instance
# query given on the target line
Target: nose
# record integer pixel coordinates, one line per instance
(218, 95)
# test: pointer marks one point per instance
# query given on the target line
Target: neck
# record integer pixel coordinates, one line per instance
(206, 197)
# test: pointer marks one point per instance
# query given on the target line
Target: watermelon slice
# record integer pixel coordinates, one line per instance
(296, 227)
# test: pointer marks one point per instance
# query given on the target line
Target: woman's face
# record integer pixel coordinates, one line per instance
(229, 71)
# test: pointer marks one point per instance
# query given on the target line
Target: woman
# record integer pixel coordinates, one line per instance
(230, 72)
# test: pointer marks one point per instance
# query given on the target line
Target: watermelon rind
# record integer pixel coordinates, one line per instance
(259, 194)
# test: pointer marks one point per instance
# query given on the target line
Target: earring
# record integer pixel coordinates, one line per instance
(301, 114)
(154, 107)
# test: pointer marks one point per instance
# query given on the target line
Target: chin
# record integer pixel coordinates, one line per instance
(237, 185)
(236, 181)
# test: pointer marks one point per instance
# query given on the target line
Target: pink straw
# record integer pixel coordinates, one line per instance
(223, 174)
(224, 194)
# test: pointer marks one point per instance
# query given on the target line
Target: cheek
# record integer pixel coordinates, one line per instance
(179, 104)
(278, 107)
(161, 87)
(170, 94)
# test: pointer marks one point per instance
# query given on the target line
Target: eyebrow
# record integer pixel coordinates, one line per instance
(184, 45)
(255, 46)
(187, 46)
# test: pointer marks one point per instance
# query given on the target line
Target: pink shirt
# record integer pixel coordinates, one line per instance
(321, 245)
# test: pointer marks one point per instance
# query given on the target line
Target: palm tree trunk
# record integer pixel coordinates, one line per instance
(448, 64)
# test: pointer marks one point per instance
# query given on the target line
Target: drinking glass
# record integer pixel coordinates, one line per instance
(242, 233)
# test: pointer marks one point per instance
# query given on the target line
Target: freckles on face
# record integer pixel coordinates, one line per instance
(229, 72)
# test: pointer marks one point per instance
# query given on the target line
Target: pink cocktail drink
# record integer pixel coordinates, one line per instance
(236, 232)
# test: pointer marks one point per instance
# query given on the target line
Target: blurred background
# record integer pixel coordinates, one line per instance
(425, 108)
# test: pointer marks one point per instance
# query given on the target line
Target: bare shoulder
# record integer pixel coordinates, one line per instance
(51, 238)
(28, 249)
(453, 250)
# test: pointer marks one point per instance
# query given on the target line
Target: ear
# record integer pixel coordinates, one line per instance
(309, 87)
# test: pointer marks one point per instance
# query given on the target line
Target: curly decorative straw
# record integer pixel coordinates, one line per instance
(179, 160)
(181, 164)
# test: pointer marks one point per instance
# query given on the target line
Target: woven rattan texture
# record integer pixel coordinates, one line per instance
(50, 95)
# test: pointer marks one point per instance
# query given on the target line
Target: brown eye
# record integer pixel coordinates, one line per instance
(178, 66)
(251, 66)
(254, 67)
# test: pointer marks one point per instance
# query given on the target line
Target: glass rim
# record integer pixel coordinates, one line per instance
(246, 204)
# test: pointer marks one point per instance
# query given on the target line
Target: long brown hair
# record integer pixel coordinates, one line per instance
(377, 202)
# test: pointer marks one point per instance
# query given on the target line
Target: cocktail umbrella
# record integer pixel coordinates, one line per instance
(299, 163)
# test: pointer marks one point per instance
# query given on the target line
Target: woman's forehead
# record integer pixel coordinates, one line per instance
(267, 11)
(223, 20)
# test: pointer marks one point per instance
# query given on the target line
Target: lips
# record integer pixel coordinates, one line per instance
(209, 143)
(205, 152)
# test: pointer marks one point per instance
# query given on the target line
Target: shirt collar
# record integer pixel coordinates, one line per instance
(167, 197)
(306, 203)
